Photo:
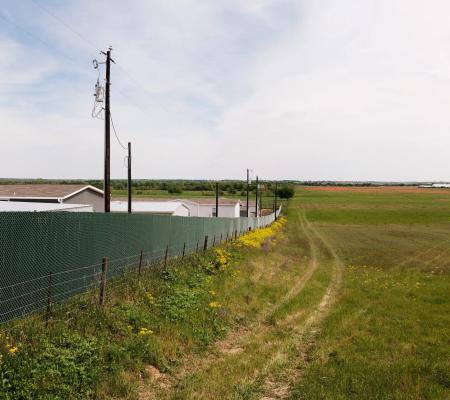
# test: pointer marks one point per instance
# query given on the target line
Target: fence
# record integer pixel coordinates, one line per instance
(52, 256)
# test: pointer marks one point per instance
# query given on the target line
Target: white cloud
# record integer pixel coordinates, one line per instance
(312, 89)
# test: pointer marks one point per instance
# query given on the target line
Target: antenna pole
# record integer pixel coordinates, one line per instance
(107, 172)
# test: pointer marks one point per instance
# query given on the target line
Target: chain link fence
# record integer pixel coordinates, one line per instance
(50, 257)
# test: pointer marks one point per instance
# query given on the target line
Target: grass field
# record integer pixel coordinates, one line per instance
(363, 310)
(350, 300)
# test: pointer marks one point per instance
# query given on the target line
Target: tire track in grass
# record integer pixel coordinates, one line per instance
(235, 342)
(277, 387)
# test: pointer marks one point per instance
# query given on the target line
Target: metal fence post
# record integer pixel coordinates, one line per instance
(105, 262)
(49, 298)
(184, 250)
(220, 238)
(205, 245)
(196, 249)
(214, 241)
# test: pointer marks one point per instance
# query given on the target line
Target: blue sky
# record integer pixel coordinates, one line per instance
(327, 89)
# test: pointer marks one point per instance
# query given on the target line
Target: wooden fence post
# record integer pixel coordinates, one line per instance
(140, 265)
(205, 245)
(105, 262)
(165, 256)
(184, 250)
(49, 298)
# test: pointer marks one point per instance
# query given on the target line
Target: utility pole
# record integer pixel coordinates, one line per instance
(256, 201)
(129, 177)
(275, 200)
(248, 178)
(107, 176)
(217, 199)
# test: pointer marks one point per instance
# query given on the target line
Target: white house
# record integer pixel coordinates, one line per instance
(228, 208)
(54, 193)
(175, 208)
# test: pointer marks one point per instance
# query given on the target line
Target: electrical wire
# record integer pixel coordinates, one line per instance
(83, 38)
(32, 35)
(115, 133)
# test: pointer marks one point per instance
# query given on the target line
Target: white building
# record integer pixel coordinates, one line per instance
(54, 194)
(228, 208)
(23, 206)
(174, 208)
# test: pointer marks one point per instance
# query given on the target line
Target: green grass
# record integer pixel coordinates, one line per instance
(388, 337)
(90, 352)
(385, 334)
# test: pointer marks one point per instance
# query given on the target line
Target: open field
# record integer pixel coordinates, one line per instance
(350, 300)
(365, 312)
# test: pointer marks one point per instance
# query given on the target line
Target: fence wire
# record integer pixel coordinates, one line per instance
(58, 255)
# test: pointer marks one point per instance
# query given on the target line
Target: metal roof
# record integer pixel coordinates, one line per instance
(166, 207)
(43, 191)
(11, 206)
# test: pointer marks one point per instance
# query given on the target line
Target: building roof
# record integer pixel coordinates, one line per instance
(12, 206)
(43, 191)
(166, 207)
(210, 201)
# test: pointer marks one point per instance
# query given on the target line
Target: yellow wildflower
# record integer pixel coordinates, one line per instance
(215, 304)
(13, 350)
(149, 297)
(145, 332)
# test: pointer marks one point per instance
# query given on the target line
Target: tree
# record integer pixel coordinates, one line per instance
(175, 189)
(285, 192)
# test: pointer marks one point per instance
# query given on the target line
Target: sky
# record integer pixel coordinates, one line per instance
(292, 89)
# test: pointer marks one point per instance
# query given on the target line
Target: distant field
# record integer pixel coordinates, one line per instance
(267, 199)
(388, 337)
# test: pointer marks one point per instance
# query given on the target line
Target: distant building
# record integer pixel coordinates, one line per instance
(436, 185)
(175, 208)
(251, 208)
(24, 206)
(49, 193)
(228, 208)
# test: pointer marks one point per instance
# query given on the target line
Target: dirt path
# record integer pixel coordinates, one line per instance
(284, 345)
(306, 333)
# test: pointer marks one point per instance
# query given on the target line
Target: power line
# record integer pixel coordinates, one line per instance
(54, 16)
(32, 35)
(115, 134)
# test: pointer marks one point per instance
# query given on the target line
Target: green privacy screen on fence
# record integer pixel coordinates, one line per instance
(67, 248)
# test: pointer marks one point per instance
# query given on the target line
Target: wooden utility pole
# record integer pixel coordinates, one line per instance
(217, 199)
(256, 201)
(129, 177)
(248, 179)
(107, 175)
(275, 200)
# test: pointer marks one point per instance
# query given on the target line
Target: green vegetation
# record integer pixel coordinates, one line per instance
(388, 338)
(351, 300)
(286, 192)
(88, 351)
